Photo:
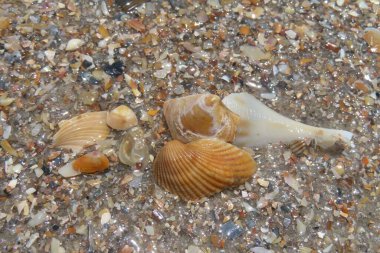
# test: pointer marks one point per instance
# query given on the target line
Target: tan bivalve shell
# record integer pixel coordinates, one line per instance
(89, 163)
(121, 118)
(372, 37)
(200, 116)
(81, 131)
(201, 168)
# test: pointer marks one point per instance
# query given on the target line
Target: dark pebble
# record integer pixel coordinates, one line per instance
(276, 230)
(86, 64)
(45, 169)
(231, 230)
(286, 208)
(55, 227)
(53, 185)
(115, 69)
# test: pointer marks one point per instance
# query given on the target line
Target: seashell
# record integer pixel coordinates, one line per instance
(200, 116)
(74, 44)
(260, 125)
(298, 147)
(133, 149)
(372, 37)
(81, 131)
(89, 163)
(121, 118)
(201, 168)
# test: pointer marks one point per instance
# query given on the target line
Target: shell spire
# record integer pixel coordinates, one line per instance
(200, 116)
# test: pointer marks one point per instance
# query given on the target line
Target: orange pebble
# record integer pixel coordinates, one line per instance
(244, 30)
(92, 162)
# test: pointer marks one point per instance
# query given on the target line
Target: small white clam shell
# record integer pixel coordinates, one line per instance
(121, 118)
(74, 44)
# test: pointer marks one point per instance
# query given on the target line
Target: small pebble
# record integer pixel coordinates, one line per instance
(115, 69)
(74, 44)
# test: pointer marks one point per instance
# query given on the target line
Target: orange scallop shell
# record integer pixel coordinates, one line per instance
(91, 162)
(201, 168)
(200, 116)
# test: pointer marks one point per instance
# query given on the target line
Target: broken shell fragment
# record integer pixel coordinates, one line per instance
(121, 118)
(200, 116)
(133, 149)
(89, 163)
(81, 131)
(68, 171)
(372, 37)
(201, 168)
(260, 125)
(74, 44)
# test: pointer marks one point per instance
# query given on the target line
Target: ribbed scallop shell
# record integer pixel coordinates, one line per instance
(201, 168)
(200, 116)
(81, 131)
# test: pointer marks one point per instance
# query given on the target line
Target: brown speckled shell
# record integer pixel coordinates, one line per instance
(200, 116)
(201, 168)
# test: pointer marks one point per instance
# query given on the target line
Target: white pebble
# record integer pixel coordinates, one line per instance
(290, 34)
(106, 217)
(17, 168)
(32, 239)
(39, 172)
(38, 218)
(74, 44)
(193, 249)
(149, 230)
(340, 2)
(261, 250)
(50, 55)
(262, 182)
(55, 246)
(301, 228)
(30, 190)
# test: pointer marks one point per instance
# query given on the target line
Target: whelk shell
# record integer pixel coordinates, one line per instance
(89, 163)
(200, 116)
(260, 125)
(201, 168)
(81, 131)
(121, 118)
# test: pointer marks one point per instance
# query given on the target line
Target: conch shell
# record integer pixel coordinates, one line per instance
(121, 118)
(81, 131)
(89, 163)
(201, 168)
(260, 125)
(200, 116)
